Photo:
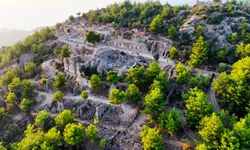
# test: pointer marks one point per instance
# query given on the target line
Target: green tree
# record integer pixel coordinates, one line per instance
(199, 30)
(9, 76)
(136, 75)
(43, 81)
(232, 88)
(73, 133)
(27, 89)
(2, 146)
(242, 131)
(197, 106)
(63, 52)
(43, 119)
(26, 104)
(133, 93)
(91, 132)
(172, 32)
(229, 141)
(3, 113)
(156, 25)
(15, 85)
(151, 139)
(113, 77)
(95, 82)
(199, 53)
(171, 121)
(174, 53)
(154, 103)
(211, 129)
(30, 69)
(161, 82)
(153, 71)
(32, 139)
(58, 96)
(11, 97)
(183, 74)
(64, 118)
(84, 95)
(243, 50)
(60, 81)
(244, 27)
(201, 147)
(117, 96)
(166, 11)
(102, 143)
(234, 38)
(92, 16)
(52, 140)
(93, 37)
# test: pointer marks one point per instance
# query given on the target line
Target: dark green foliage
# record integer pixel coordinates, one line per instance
(71, 18)
(172, 32)
(113, 77)
(136, 75)
(199, 53)
(27, 89)
(199, 81)
(244, 27)
(161, 82)
(60, 81)
(152, 71)
(88, 71)
(199, 30)
(171, 121)
(93, 37)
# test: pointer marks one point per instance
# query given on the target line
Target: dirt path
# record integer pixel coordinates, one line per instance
(213, 99)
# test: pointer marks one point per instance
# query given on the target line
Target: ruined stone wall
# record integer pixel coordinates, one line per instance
(163, 48)
(128, 45)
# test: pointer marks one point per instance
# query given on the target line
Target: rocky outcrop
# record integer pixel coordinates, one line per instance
(105, 59)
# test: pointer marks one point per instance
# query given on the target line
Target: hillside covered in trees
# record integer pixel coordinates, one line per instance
(131, 76)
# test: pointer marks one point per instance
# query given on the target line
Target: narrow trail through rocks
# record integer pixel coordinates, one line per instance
(213, 99)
